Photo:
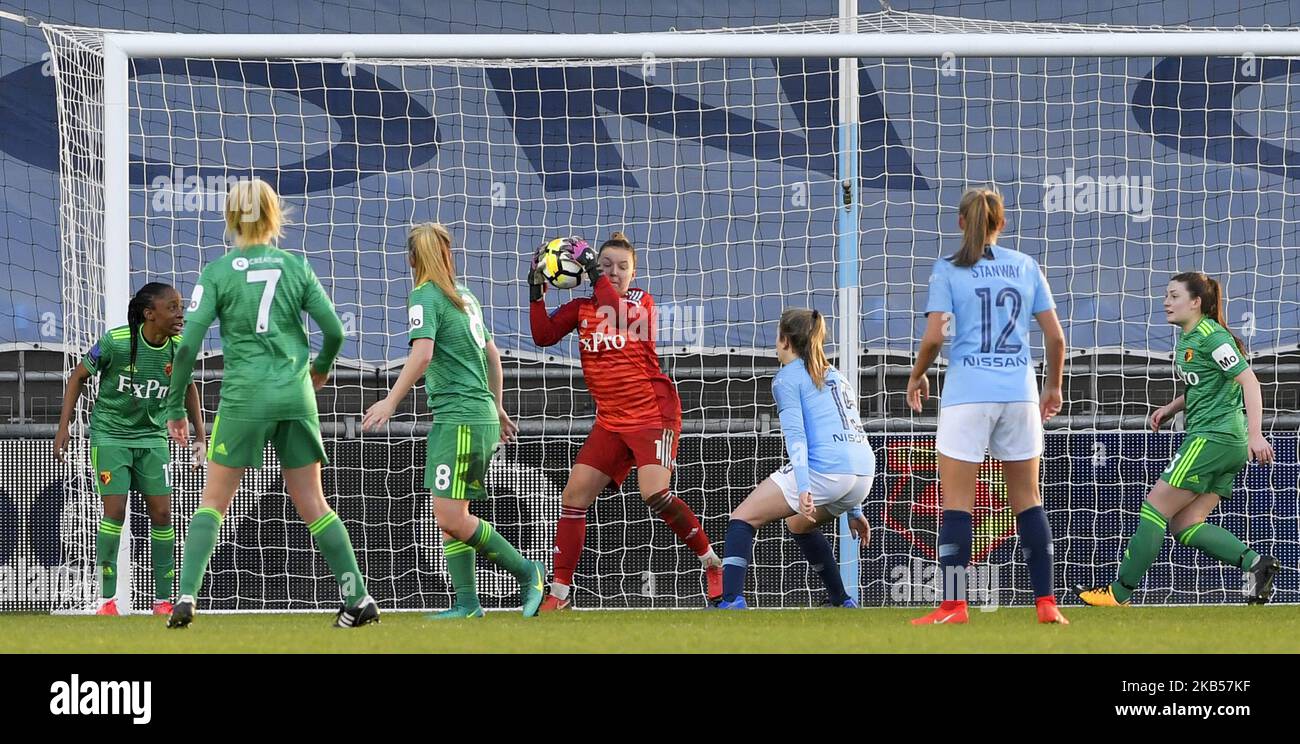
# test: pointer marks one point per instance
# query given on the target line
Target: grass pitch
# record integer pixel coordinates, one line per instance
(1237, 629)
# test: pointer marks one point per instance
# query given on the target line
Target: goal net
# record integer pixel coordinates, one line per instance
(729, 174)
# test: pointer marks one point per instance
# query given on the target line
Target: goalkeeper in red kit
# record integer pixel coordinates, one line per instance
(638, 413)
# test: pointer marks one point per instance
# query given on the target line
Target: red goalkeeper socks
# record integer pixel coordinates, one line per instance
(681, 520)
(570, 534)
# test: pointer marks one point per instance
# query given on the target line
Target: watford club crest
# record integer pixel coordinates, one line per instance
(1187, 355)
(913, 507)
(167, 369)
(106, 477)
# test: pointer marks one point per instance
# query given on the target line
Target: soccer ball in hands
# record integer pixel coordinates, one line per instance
(558, 264)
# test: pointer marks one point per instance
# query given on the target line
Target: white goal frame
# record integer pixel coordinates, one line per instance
(848, 44)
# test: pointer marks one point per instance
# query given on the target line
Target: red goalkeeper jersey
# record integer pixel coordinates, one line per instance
(619, 361)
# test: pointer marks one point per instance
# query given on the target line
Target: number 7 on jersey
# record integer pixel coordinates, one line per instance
(271, 277)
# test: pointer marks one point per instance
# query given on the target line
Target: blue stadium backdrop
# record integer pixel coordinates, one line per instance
(379, 158)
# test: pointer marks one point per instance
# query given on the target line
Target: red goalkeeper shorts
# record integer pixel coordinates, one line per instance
(615, 452)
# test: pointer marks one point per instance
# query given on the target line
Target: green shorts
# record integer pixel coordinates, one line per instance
(119, 470)
(1206, 466)
(240, 444)
(457, 457)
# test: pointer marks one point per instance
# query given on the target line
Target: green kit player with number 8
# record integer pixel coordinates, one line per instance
(461, 366)
(258, 292)
(1219, 442)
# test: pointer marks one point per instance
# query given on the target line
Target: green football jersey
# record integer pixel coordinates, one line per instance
(129, 409)
(456, 379)
(259, 294)
(1208, 361)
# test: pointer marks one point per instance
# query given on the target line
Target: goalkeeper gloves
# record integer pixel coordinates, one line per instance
(586, 256)
(536, 282)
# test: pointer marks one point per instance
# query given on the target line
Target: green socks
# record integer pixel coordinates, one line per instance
(460, 564)
(162, 547)
(1144, 546)
(1219, 544)
(107, 540)
(498, 550)
(163, 550)
(333, 542)
(328, 531)
(200, 541)
(1140, 552)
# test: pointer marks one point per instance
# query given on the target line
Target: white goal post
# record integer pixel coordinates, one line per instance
(99, 221)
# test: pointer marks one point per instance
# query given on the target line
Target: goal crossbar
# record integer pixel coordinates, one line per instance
(710, 45)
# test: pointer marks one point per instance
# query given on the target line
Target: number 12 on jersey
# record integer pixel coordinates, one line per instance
(1007, 296)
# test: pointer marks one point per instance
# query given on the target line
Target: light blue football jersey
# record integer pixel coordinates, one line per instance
(992, 302)
(821, 427)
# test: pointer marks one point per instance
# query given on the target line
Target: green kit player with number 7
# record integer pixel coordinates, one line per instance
(1219, 442)
(258, 292)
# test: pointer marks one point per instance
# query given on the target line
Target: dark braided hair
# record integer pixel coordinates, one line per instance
(143, 300)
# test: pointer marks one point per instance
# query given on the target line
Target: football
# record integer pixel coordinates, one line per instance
(559, 266)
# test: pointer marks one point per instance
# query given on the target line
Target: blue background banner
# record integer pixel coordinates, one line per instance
(698, 169)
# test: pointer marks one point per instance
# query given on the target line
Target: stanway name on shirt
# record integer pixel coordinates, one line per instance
(995, 361)
(982, 271)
